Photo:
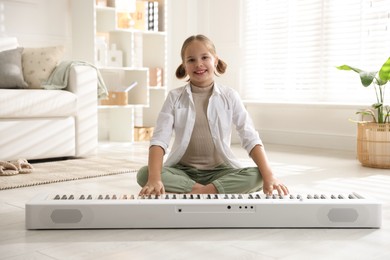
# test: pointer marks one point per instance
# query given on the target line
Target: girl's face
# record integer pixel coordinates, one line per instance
(199, 64)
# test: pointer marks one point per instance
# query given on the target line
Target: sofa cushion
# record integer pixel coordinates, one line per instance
(39, 63)
(37, 138)
(11, 73)
(23, 103)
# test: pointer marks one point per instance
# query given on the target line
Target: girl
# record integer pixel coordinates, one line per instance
(201, 115)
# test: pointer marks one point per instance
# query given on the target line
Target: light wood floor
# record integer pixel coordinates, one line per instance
(302, 169)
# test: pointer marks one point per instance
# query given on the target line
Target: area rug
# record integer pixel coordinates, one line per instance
(68, 170)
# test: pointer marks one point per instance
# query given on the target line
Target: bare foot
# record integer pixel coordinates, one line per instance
(203, 189)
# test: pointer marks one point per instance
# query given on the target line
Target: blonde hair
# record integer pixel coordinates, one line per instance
(181, 71)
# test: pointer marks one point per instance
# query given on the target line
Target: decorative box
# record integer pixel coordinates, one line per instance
(115, 99)
(101, 3)
(155, 77)
(119, 97)
(143, 133)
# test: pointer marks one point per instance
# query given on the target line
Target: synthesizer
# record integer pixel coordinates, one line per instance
(112, 211)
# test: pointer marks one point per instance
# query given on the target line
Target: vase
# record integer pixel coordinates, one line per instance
(373, 145)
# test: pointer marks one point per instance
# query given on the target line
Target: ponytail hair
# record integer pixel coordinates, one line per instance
(181, 72)
(221, 65)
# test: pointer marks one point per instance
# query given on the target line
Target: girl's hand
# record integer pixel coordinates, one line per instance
(152, 187)
(274, 184)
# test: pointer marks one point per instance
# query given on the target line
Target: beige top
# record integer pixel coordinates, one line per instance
(201, 152)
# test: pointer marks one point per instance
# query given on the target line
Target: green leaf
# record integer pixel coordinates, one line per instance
(377, 105)
(367, 77)
(384, 72)
(380, 81)
(346, 67)
(367, 112)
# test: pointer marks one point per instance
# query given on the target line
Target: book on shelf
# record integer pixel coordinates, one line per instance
(153, 16)
(146, 16)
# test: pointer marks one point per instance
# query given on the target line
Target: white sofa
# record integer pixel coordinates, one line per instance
(41, 123)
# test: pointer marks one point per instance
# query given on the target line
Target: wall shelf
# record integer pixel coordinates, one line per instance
(141, 51)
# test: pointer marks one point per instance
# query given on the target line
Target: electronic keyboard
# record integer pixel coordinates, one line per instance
(97, 211)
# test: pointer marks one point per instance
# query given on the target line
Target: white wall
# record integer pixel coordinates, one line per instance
(47, 22)
(221, 25)
(37, 23)
(313, 125)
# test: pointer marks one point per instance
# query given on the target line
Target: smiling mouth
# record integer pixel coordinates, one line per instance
(200, 72)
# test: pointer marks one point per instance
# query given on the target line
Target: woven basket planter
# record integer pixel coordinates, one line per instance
(373, 145)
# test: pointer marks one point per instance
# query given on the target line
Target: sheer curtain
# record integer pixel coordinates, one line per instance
(292, 47)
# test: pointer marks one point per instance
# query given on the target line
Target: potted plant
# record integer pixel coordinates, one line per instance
(373, 137)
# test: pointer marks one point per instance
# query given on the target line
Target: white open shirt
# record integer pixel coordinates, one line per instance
(225, 109)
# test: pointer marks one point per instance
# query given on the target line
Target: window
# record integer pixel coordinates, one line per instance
(292, 47)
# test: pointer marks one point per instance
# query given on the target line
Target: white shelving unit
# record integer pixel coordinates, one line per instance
(142, 51)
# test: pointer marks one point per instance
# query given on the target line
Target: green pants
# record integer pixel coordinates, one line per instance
(227, 180)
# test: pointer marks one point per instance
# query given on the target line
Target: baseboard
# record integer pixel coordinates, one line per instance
(307, 139)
